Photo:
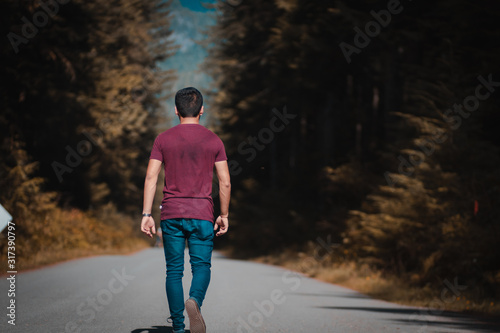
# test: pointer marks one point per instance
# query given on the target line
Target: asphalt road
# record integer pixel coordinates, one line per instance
(126, 294)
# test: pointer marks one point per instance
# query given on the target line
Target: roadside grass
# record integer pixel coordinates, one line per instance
(361, 278)
(65, 234)
(47, 258)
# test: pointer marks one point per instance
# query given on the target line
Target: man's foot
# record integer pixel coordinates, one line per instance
(197, 324)
(170, 321)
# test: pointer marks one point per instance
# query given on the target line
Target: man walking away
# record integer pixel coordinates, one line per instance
(189, 153)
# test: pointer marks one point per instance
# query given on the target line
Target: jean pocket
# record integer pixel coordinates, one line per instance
(172, 227)
(205, 230)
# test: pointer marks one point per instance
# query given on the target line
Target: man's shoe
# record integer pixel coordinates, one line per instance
(196, 322)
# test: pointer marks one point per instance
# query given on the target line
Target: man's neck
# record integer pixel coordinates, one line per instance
(190, 120)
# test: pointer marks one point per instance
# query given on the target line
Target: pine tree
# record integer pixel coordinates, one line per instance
(373, 157)
(80, 105)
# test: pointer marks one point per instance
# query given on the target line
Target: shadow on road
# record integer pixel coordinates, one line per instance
(155, 329)
(343, 295)
(422, 317)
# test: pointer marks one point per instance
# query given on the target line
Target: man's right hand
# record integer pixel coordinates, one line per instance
(222, 223)
(148, 226)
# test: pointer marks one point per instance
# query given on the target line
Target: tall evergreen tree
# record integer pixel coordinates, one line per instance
(373, 157)
(79, 108)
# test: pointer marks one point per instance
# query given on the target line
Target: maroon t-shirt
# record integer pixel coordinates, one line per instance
(189, 153)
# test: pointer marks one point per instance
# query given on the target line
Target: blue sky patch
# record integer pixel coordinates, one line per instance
(196, 5)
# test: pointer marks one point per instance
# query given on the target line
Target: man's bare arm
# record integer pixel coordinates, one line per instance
(222, 222)
(147, 223)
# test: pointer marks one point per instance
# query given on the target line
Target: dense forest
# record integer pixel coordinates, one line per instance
(80, 105)
(367, 129)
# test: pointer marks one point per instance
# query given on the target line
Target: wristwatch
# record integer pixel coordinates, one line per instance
(145, 214)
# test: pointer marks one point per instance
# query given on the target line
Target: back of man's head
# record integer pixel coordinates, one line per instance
(188, 102)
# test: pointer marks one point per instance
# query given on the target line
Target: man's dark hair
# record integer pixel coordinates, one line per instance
(188, 102)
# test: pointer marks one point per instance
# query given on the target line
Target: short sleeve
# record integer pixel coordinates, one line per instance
(221, 152)
(156, 153)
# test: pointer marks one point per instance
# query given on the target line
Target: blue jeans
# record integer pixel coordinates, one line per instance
(199, 235)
